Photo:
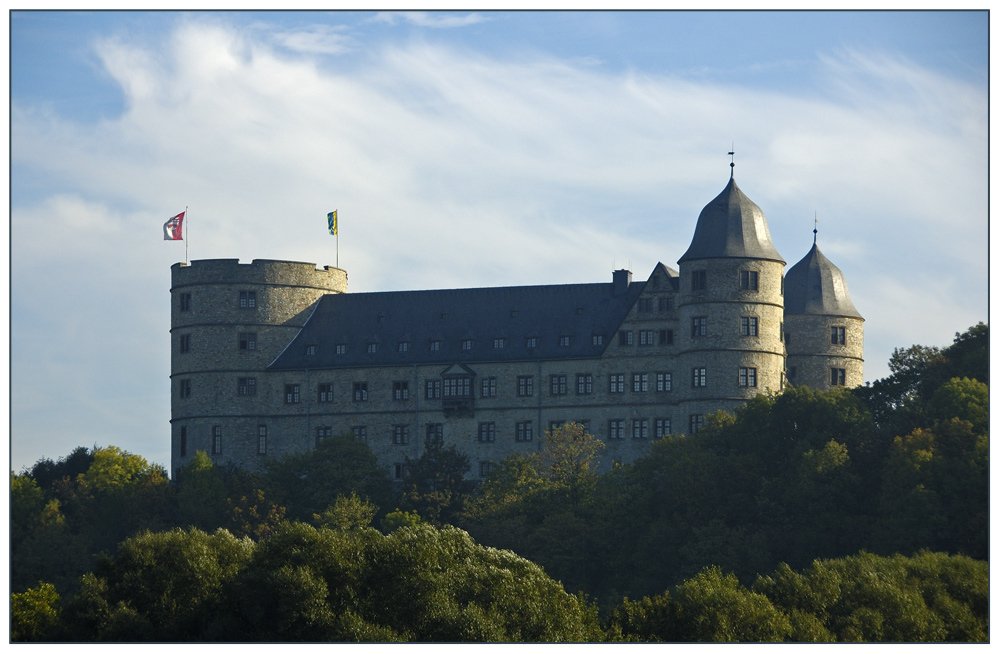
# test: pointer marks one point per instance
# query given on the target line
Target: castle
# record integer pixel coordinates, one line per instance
(271, 356)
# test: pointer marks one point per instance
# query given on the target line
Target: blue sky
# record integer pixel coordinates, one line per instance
(467, 149)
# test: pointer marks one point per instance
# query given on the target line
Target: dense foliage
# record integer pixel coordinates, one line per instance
(897, 470)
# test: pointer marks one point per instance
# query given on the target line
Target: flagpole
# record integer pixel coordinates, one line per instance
(187, 217)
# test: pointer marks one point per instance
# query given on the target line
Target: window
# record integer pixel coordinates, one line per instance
(322, 432)
(216, 439)
(531, 342)
(185, 301)
(564, 341)
(664, 382)
(458, 387)
(666, 337)
(525, 386)
(666, 304)
(400, 390)
(640, 382)
(184, 441)
(748, 326)
(748, 280)
(467, 345)
(248, 299)
(485, 467)
(661, 427)
(499, 343)
(640, 428)
(360, 391)
(246, 386)
(597, 339)
(398, 470)
(435, 346)
(791, 373)
(781, 331)
(522, 432)
(262, 439)
(748, 377)
(698, 378)
(372, 348)
(788, 338)
(838, 377)
(432, 389)
(645, 305)
(616, 429)
(647, 337)
(699, 280)
(435, 433)
(185, 343)
(341, 348)
(699, 327)
(248, 341)
(838, 335)
(400, 434)
(584, 384)
(310, 350)
(695, 422)
(487, 432)
(489, 387)
(325, 393)
(291, 393)
(403, 346)
(625, 338)
(557, 384)
(617, 383)
(360, 432)
(185, 389)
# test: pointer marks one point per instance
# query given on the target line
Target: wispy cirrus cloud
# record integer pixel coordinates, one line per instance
(435, 20)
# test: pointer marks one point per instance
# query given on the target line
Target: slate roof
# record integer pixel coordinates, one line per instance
(452, 316)
(731, 225)
(816, 286)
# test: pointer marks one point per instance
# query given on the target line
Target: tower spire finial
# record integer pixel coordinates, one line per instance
(732, 160)
(815, 227)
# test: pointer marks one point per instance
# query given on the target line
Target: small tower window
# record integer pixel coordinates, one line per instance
(748, 280)
(699, 280)
(248, 299)
(838, 335)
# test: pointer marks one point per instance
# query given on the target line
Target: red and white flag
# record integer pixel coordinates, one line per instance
(172, 228)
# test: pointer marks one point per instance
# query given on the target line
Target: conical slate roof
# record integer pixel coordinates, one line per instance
(731, 225)
(816, 286)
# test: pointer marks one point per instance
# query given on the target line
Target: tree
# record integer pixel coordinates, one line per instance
(201, 498)
(435, 485)
(34, 614)
(306, 483)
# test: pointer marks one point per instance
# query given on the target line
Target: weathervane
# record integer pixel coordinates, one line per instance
(732, 161)
(815, 227)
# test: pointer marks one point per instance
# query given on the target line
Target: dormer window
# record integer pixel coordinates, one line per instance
(372, 348)
(310, 350)
(403, 346)
(467, 345)
(531, 342)
(564, 341)
(499, 343)
(341, 348)
(435, 346)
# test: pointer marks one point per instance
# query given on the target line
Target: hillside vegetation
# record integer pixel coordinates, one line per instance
(838, 516)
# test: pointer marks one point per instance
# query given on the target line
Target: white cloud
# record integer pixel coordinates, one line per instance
(455, 169)
(424, 19)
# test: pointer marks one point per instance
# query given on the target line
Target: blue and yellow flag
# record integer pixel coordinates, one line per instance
(332, 220)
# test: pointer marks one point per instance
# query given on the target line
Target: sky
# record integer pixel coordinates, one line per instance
(466, 149)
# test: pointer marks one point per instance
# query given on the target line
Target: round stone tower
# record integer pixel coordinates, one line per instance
(824, 333)
(730, 308)
(228, 321)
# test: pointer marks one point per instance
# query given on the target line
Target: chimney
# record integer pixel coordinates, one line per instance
(620, 280)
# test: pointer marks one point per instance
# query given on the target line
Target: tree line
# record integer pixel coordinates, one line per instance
(877, 496)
